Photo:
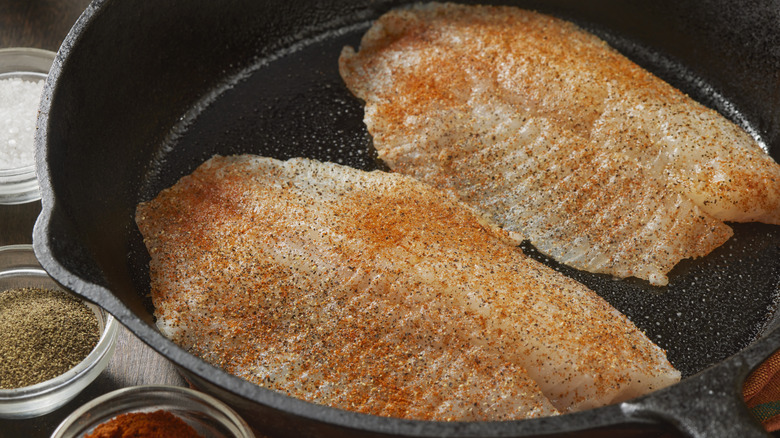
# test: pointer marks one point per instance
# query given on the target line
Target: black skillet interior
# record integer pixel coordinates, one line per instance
(143, 92)
(702, 317)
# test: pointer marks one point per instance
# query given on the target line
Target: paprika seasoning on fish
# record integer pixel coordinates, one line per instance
(159, 423)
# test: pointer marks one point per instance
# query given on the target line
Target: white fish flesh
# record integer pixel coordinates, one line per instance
(557, 137)
(373, 292)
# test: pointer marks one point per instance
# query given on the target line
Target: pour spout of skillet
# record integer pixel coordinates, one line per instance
(143, 92)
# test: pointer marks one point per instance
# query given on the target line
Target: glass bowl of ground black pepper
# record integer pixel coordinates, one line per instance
(23, 71)
(154, 410)
(52, 343)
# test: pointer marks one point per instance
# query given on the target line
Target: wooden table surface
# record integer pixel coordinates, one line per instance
(44, 24)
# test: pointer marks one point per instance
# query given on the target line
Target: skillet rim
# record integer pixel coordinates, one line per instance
(648, 411)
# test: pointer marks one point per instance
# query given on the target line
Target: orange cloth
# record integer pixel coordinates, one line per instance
(762, 392)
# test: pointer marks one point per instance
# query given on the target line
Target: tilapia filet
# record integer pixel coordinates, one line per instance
(557, 137)
(375, 293)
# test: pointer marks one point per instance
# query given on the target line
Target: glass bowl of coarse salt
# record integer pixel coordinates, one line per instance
(52, 343)
(23, 73)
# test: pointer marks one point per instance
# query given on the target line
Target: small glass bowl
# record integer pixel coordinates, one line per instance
(20, 185)
(208, 416)
(19, 268)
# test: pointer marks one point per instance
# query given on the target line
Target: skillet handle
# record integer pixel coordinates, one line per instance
(708, 405)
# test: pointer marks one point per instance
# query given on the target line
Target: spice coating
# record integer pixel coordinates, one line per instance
(375, 293)
(558, 137)
(43, 333)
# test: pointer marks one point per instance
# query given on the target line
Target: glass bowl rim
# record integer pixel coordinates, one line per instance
(109, 399)
(107, 339)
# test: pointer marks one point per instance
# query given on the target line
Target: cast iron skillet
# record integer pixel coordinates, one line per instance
(143, 92)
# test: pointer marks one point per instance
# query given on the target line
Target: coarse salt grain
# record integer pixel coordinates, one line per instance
(18, 112)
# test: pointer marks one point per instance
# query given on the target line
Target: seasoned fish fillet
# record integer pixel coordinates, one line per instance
(375, 293)
(557, 137)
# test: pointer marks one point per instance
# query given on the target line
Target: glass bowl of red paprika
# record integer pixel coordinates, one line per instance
(154, 410)
(52, 343)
